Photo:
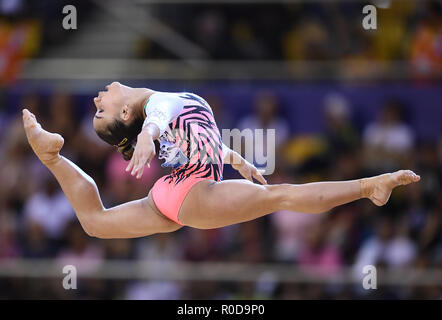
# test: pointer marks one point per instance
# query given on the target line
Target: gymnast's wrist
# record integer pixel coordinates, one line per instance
(237, 161)
(150, 131)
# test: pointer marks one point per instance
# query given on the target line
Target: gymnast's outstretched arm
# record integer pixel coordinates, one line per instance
(245, 168)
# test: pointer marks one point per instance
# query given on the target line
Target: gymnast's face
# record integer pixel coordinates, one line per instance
(110, 106)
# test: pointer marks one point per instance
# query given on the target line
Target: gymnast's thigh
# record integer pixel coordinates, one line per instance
(137, 218)
(211, 204)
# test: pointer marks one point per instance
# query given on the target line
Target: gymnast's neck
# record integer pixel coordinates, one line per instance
(137, 98)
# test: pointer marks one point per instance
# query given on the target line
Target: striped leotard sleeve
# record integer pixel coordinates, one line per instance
(161, 109)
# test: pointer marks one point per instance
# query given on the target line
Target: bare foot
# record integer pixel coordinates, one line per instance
(378, 189)
(46, 145)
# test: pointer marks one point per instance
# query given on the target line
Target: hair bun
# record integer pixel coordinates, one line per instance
(127, 151)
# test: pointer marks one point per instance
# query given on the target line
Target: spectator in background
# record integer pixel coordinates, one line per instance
(222, 115)
(122, 186)
(290, 233)
(16, 165)
(340, 132)
(50, 209)
(91, 152)
(342, 155)
(431, 167)
(210, 31)
(163, 250)
(318, 256)
(426, 44)
(430, 239)
(307, 40)
(80, 251)
(391, 43)
(62, 117)
(118, 249)
(266, 116)
(10, 6)
(289, 228)
(201, 245)
(163, 247)
(32, 101)
(416, 209)
(389, 246)
(35, 243)
(247, 44)
(251, 242)
(18, 40)
(388, 140)
(9, 244)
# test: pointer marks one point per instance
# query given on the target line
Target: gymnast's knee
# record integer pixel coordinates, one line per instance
(278, 196)
(89, 223)
(87, 227)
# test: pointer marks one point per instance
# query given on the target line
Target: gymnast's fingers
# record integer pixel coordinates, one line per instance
(149, 159)
(140, 171)
(131, 163)
(140, 168)
(136, 168)
(257, 174)
(247, 175)
(136, 160)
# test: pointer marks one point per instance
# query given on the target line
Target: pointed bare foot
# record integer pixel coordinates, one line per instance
(46, 145)
(378, 189)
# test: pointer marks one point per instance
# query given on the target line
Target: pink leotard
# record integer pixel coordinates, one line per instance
(191, 145)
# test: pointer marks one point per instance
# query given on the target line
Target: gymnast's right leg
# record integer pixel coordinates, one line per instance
(129, 220)
(212, 204)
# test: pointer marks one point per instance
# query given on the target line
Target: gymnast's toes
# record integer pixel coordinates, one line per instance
(46, 145)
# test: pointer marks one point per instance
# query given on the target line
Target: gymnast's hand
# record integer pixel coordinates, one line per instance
(249, 171)
(143, 154)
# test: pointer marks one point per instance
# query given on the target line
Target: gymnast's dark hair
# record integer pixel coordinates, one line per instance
(122, 135)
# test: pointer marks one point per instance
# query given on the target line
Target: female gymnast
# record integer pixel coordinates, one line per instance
(193, 194)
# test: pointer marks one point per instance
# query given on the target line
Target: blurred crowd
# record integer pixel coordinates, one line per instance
(318, 31)
(28, 29)
(37, 221)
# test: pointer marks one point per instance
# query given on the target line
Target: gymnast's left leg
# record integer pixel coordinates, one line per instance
(136, 218)
(212, 204)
